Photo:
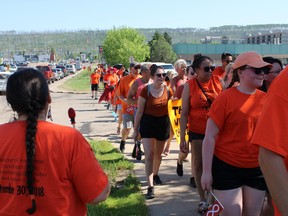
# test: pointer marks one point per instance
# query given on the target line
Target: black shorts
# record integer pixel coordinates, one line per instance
(228, 177)
(195, 136)
(94, 87)
(155, 127)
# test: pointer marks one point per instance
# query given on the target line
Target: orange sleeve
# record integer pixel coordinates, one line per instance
(271, 131)
(87, 175)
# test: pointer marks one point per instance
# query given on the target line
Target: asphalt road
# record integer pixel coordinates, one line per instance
(94, 121)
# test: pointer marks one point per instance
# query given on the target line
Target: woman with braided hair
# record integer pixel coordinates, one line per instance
(55, 170)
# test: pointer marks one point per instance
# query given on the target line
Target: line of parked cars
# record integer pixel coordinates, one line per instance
(52, 72)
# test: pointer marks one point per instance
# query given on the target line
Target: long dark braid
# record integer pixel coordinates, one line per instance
(27, 93)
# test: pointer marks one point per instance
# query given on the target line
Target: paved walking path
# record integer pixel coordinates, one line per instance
(174, 197)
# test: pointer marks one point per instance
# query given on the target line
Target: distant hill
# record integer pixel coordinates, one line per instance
(88, 40)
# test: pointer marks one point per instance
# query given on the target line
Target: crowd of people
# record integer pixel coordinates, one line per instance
(236, 134)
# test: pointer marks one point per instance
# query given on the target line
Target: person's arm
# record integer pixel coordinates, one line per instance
(224, 86)
(208, 147)
(103, 196)
(276, 177)
(139, 113)
(132, 93)
(119, 92)
(184, 117)
(173, 84)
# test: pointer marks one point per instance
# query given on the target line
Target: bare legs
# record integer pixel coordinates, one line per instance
(153, 149)
(241, 201)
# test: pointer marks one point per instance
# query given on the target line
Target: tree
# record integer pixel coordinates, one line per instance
(120, 44)
(168, 38)
(161, 51)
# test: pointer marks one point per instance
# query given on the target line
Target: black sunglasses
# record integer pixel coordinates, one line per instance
(229, 61)
(137, 67)
(208, 68)
(159, 75)
(266, 70)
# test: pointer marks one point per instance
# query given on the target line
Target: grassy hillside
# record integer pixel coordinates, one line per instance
(88, 40)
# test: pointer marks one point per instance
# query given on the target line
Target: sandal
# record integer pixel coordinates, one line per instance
(203, 207)
(118, 130)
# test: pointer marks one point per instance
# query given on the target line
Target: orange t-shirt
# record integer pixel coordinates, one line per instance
(236, 115)
(67, 174)
(199, 105)
(219, 71)
(95, 78)
(156, 106)
(123, 89)
(272, 127)
(105, 77)
(112, 79)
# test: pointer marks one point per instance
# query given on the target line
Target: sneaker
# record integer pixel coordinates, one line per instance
(192, 182)
(150, 193)
(157, 180)
(92, 96)
(179, 169)
(96, 98)
(122, 146)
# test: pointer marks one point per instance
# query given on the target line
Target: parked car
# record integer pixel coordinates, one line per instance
(71, 68)
(56, 75)
(3, 81)
(47, 72)
(63, 68)
(59, 70)
(12, 68)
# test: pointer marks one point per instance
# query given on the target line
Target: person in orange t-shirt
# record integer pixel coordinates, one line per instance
(44, 171)
(195, 106)
(226, 58)
(230, 161)
(271, 135)
(127, 110)
(94, 81)
(111, 80)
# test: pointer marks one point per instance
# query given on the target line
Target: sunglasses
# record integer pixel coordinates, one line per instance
(208, 68)
(229, 61)
(266, 70)
(137, 67)
(159, 75)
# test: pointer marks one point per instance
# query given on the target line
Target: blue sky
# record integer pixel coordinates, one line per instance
(39, 15)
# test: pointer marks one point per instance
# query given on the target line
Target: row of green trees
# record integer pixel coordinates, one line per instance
(121, 44)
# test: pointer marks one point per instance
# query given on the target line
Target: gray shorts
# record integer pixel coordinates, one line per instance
(128, 120)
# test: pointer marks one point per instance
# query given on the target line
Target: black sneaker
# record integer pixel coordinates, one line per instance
(179, 169)
(150, 193)
(192, 182)
(96, 98)
(157, 180)
(122, 146)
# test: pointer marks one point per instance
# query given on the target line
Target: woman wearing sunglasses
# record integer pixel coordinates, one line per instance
(197, 96)
(152, 116)
(230, 161)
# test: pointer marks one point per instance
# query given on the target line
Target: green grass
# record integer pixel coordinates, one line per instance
(125, 197)
(80, 82)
